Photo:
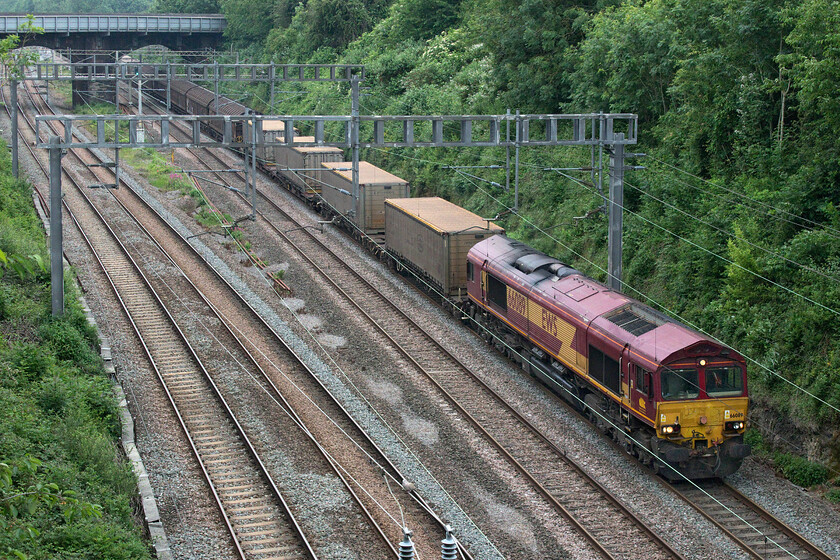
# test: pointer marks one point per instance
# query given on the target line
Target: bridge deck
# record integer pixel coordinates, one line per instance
(118, 23)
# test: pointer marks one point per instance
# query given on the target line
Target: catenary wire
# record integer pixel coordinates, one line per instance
(604, 418)
(769, 207)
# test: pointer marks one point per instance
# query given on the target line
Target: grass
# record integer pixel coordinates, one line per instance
(65, 491)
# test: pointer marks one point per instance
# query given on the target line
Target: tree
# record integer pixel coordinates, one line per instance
(186, 7)
(13, 58)
(627, 62)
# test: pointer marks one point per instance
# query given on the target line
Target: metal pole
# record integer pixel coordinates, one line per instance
(507, 153)
(116, 81)
(168, 87)
(354, 141)
(253, 167)
(614, 265)
(271, 74)
(216, 87)
(117, 166)
(516, 171)
(141, 132)
(14, 86)
(56, 245)
(601, 132)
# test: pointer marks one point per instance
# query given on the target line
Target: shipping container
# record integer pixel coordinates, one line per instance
(307, 158)
(375, 186)
(434, 236)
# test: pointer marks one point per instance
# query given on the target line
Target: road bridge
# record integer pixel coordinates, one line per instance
(117, 32)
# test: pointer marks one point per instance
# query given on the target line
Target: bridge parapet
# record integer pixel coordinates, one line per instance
(117, 23)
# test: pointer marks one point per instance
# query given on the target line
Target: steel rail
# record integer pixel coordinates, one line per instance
(262, 471)
(394, 471)
(525, 472)
(389, 467)
(777, 538)
(462, 409)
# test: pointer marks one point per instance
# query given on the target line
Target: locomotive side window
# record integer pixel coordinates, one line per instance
(497, 292)
(679, 384)
(470, 271)
(643, 384)
(724, 382)
(604, 369)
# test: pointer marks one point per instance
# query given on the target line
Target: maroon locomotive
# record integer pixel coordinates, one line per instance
(672, 397)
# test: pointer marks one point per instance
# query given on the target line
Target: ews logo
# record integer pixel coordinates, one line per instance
(549, 322)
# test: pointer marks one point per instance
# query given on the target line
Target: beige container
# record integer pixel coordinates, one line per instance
(375, 186)
(300, 157)
(273, 131)
(434, 236)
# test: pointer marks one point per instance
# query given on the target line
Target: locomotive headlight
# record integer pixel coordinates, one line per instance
(733, 426)
(671, 429)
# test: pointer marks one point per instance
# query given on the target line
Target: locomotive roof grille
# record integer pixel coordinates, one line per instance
(635, 320)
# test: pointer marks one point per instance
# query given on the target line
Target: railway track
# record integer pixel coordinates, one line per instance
(362, 450)
(260, 523)
(755, 530)
(604, 521)
(759, 533)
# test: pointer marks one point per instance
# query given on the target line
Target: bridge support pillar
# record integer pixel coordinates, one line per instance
(85, 89)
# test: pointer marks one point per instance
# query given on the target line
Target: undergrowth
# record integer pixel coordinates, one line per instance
(64, 490)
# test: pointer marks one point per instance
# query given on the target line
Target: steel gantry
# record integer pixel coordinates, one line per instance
(612, 131)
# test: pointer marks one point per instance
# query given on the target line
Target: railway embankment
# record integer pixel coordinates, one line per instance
(64, 486)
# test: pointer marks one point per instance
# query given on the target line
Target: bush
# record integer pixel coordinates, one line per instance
(754, 439)
(67, 342)
(800, 471)
(833, 495)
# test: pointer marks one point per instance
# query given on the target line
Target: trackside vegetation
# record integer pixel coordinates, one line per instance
(65, 489)
(733, 226)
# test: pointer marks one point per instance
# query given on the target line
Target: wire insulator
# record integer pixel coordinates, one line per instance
(448, 546)
(406, 546)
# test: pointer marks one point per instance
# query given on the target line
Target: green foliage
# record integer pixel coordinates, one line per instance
(186, 7)
(77, 6)
(833, 495)
(800, 471)
(64, 492)
(422, 20)
(249, 21)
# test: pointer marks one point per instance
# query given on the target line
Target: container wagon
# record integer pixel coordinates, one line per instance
(375, 186)
(432, 237)
(306, 184)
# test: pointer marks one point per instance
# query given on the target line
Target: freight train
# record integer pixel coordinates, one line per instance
(674, 398)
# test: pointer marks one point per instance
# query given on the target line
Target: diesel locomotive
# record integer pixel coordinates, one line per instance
(675, 399)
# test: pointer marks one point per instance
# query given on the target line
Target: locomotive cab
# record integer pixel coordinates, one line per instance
(701, 412)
